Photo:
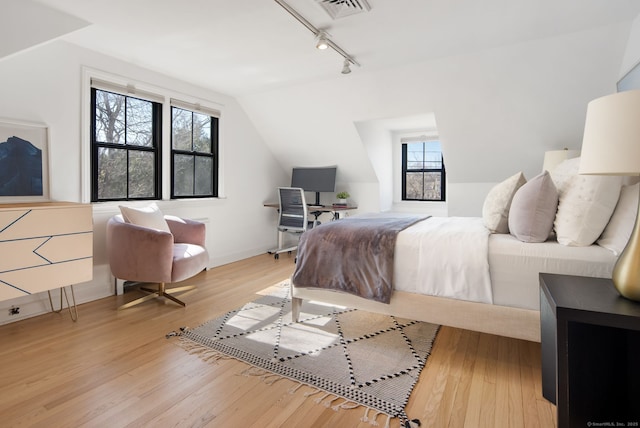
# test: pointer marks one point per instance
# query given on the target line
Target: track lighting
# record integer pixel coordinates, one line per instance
(322, 38)
(322, 43)
(345, 67)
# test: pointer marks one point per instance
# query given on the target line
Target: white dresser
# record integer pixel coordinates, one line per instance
(43, 246)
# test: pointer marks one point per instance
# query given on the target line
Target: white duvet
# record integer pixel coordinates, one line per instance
(444, 256)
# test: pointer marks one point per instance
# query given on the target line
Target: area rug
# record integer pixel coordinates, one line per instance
(351, 358)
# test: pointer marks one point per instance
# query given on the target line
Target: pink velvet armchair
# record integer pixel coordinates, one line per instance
(148, 255)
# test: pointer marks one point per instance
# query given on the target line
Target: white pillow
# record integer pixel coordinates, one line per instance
(150, 217)
(585, 205)
(618, 231)
(495, 210)
(533, 209)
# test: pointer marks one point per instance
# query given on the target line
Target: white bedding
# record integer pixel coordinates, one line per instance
(457, 257)
(515, 266)
(444, 256)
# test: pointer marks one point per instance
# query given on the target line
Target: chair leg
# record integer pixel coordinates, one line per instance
(138, 301)
(160, 292)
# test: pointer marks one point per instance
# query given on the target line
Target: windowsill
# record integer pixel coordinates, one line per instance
(166, 204)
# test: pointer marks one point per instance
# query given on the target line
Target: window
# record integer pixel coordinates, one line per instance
(125, 147)
(423, 173)
(194, 147)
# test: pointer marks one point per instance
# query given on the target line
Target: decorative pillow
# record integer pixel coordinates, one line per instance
(150, 217)
(585, 205)
(618, 231)
(533, 209)
(495, 211)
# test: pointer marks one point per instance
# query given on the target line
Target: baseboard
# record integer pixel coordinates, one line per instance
(37, 304)
(234, 257)
(102, 285)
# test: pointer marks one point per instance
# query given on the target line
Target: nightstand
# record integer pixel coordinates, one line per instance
(590, 351)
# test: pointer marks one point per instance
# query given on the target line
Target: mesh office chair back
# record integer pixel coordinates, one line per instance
(293, 209)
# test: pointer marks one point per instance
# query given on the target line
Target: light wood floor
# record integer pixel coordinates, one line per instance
(117, 369)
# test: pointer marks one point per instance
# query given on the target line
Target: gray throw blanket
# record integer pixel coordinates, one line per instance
(353, 255)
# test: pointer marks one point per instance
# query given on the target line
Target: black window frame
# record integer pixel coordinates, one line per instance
(214, 123)
(406, 170)
(156, 149)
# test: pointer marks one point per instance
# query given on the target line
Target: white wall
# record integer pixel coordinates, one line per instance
(497, 111)
(43, 84)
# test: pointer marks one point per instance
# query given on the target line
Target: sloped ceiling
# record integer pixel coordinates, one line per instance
(506, 79)
(25, 24)
(239, 47)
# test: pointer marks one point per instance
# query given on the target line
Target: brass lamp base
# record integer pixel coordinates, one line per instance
(160, 292)
(626, 273)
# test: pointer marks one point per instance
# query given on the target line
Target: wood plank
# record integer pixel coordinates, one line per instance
(116, 368)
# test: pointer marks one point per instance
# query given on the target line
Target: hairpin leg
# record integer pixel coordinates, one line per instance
(73, 310)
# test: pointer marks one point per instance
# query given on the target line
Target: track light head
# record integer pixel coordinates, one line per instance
(322, 42)
(346, 67)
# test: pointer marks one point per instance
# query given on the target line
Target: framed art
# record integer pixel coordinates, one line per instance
(24, 166)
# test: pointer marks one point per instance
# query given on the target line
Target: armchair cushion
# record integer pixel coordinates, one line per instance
(150, 216)
(188, 259)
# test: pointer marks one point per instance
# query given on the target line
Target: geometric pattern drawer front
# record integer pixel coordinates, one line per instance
(27, 223)
(44, 247)
(35, 280)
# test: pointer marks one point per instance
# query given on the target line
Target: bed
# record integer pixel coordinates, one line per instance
(513, 262)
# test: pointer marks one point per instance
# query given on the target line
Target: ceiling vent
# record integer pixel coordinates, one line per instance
(341, 8)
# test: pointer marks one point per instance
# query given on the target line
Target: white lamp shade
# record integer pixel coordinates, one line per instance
(554, 158)
(611, 141)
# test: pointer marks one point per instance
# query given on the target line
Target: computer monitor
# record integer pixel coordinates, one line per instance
(315, 179)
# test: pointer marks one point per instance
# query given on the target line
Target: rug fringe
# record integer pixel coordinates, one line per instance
(327, 399)
(203, 352)
(346, 404)
(296, 388)
(373, 420)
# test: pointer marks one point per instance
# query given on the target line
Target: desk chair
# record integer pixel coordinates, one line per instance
(293, 217)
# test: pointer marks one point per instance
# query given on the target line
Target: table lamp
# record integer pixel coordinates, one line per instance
(611, 146)
(554, 158)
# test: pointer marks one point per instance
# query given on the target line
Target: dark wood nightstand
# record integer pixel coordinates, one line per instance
(590, 352)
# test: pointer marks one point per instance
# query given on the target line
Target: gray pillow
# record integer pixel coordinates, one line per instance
(533, 209)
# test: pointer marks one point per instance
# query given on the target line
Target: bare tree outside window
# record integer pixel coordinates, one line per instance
(125, 141)
(194, 140)
(423, 173)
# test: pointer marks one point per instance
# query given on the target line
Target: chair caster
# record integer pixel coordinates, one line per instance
(276, 256)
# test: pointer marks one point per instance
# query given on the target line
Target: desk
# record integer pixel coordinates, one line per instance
(590, 346)
(316, 210)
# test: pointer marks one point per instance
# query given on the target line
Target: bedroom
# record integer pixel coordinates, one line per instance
(498, 103)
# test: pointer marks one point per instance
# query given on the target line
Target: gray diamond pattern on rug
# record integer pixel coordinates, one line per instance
(370, 359)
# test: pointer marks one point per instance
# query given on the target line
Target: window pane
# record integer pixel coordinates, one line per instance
(201, 133)
(181, 129)
(109, 117)
(415, 155)
(433, 155)
(139, 122)
(204, 173)
(414, 185)
(112, 173)
(183, 175)
(432, 186)
(424, 155)
(141, 174)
